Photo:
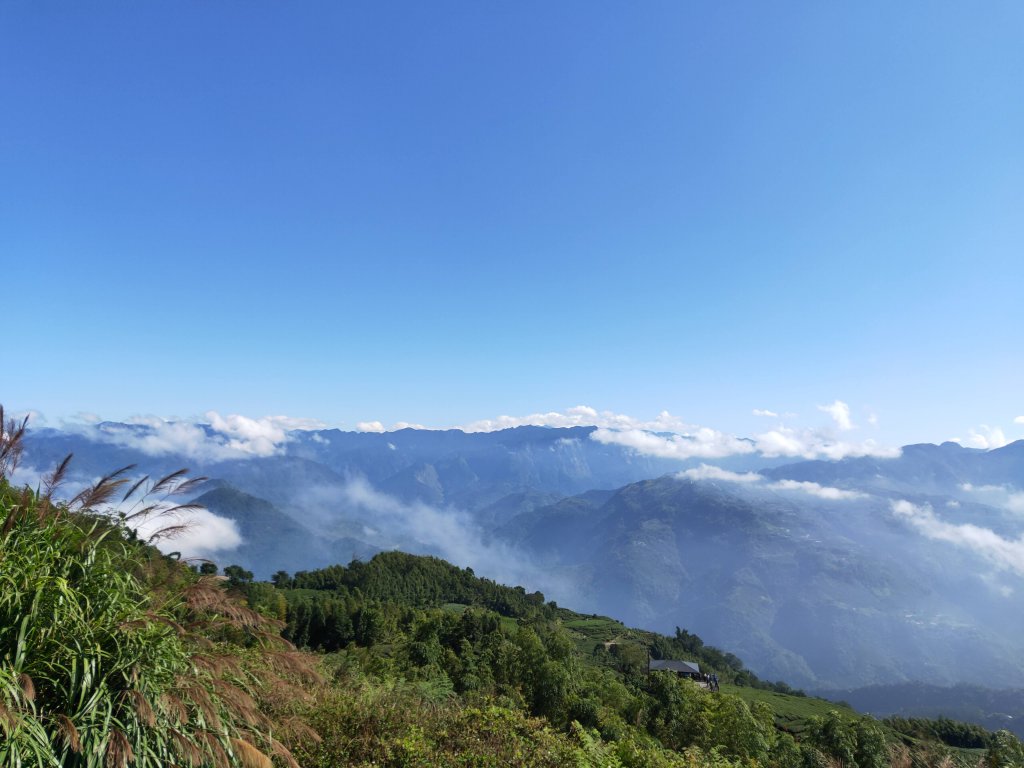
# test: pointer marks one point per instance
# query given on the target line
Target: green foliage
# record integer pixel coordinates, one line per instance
(872, 749)
(951, 732)
(857, 743)
(366, 723)
(1005, 751)
(792, 713)
(421, 582)
(237, 575)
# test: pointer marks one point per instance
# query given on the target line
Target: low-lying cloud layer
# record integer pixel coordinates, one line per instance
(702, 443)
(815, 489)
(204, 537)
(201, 534)
(580, 416)
(221, 438)
(1005, 554)
(218, 439)
(451, 533)
(687, 441)
(1002, 496)
(710, 472)
(707, 443)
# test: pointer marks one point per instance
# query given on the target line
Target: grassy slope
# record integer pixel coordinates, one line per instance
(791, 712)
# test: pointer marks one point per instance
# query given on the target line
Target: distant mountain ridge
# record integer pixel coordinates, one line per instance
(804, 596)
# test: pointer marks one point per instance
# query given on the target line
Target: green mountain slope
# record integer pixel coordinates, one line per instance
(445, 629)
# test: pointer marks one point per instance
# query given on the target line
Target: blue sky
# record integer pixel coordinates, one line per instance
(442, 212)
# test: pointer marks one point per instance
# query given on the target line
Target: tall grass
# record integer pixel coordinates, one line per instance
(110, 655)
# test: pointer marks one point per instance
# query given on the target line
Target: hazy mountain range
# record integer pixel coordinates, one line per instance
(827, 574)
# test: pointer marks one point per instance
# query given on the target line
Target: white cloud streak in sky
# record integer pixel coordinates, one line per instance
(984, 437)
(840, 413)
(1005, 554)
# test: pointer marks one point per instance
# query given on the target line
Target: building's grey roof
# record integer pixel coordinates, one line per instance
(671, 665)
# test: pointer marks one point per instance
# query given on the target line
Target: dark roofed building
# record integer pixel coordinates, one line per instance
(681, 668)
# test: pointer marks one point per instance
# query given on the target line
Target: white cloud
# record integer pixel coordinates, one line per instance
(579, 416)
(1019, 420)
(163, 437)
(702, 443)
(815, 489)
(667, 436)
(762, 412)
(1006, 554)
(984, 437)
(710, 472)
(35, 418)
(206, 535)
(85, 417)
(840, 413)
(227, 437)
(817, 443)
(369, 426)
(783, 442)
(259, 437)
(25, 475)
